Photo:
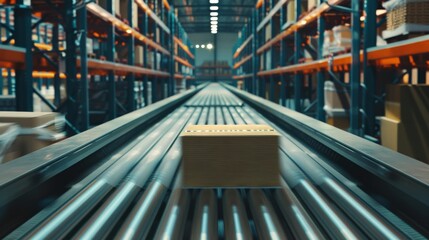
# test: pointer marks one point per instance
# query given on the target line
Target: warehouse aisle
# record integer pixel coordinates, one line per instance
(138, 194)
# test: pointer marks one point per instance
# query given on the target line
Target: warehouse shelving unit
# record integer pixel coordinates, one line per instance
(272, 35)
(113, 47)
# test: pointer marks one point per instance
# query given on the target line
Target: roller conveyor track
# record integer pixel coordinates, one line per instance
(133, 190)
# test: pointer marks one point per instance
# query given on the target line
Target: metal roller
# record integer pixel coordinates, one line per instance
(212, 116)
(336, 225)
(204, 223)
(172, 225)
(140, 219)
(237, 118)
(219, 116)
(372, 224)
(63, 221)
(235, 217)
(100, 225)
(267, 223)
(300, 223)
(227, 116)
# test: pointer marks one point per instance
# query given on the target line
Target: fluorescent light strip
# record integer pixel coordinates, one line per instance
(214, 22)
(214, 14)
(213, 18)
(214, 8)
(214, 1)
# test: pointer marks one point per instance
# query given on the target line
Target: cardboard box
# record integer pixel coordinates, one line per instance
(27, 119)
(408, 139)
(335, 97)
(407, 102)
(138, 55)
(339, 122)
(230, 156)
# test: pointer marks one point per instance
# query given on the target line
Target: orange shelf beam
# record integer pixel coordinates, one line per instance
(183, 61)
(166, 4)
(183, 46)
(152, 15)
(242, 61)
(259, 3)
(101, 67)
(12, 57)
(178, 76)
(382, 56)
(243, 45)
(242, 76)
(106, 16)
(310, 17)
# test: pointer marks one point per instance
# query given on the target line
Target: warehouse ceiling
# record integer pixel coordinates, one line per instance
(195, 14)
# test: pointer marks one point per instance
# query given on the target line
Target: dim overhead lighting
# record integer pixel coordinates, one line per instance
(214, 22)
(214, 1)
(210, 46)
(214, 14)
(213, 18)
(203, 46)
(197, 46)
(214, 8)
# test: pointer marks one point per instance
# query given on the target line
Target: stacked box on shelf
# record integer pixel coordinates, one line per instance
(337, 103)
(406, 16)
(404, 127)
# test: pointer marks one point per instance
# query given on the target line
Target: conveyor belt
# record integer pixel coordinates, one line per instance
(134, 193)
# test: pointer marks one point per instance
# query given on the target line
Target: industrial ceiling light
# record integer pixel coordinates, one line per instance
(214, 32)
(214, 18)
(214, 14)
(214, 8)
(197, 46)
(214, 1)
(214, 27)
(214, 22)
(203, 46)
(210, 46)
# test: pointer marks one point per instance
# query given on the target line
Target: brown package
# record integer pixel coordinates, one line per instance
(230, 156)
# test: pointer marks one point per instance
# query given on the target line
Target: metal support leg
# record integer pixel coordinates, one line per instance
(320, 113)
(255, 59)
(355, 69)
(24, 79)
(10, 83)
(84, 88)
(144, 27)
(71, 70)
(283, 51)
(131, 103)
(1, 81)
(57, 79)
(298, 79)
(421, 76)
(370, 40)
(172, 87)
(110, 54)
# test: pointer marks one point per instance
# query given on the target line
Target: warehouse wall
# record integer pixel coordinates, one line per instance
(225, 43)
